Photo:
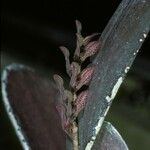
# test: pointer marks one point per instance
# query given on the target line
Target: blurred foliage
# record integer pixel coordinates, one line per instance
(130, 112)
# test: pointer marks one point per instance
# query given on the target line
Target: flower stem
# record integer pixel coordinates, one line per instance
(75, 136)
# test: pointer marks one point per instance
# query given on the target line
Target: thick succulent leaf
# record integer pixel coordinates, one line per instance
(109, 139)
(29, 101)
(120, 42)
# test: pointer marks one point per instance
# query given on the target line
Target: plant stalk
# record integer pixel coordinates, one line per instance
(75, 136)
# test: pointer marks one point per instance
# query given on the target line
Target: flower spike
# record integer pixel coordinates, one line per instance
(72, 102)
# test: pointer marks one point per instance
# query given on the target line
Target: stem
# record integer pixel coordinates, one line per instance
(75, 129)
(75, 136)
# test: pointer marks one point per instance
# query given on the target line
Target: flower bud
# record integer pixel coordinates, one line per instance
(81, 101)
(90, 49)
(85, 77)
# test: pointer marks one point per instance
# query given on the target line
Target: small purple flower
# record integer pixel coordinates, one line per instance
(90, 49)
(85, 77)
(81, 101)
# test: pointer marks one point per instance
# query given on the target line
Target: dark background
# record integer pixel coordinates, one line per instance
(32, 31)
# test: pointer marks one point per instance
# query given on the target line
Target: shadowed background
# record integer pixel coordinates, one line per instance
(31, 33)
